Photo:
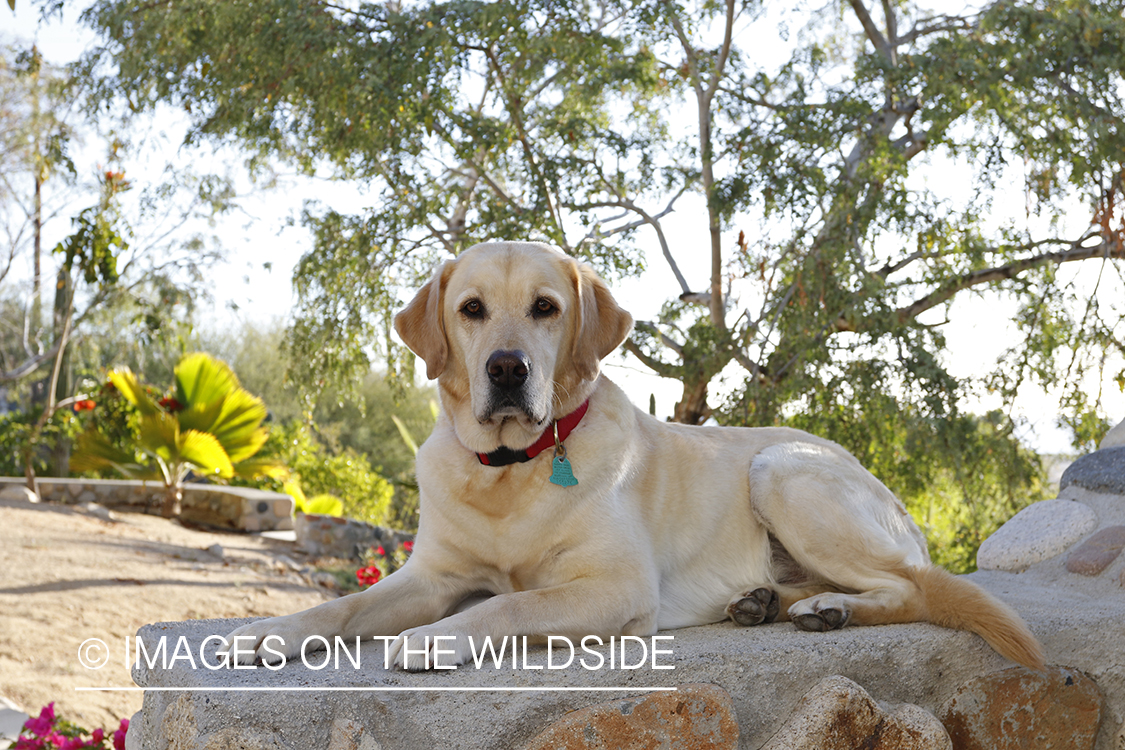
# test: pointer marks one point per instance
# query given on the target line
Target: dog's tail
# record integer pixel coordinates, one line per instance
(955, 602)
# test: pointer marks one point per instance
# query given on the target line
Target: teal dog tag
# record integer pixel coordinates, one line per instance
(561, 473)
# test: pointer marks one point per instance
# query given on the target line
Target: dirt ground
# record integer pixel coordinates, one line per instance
(66, 576)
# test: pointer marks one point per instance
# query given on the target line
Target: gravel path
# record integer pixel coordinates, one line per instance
(67, 576)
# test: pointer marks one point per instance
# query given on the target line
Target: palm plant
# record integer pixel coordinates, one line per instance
(207, 424)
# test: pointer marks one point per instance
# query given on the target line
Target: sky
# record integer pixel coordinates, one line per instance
(255, 282)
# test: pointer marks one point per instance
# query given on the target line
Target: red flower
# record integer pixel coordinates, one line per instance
(171, 404)
(380, 551)
(368, 576)
(85, 405)
(408, 546)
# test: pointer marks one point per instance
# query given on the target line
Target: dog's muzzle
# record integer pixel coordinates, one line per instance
(508, 372)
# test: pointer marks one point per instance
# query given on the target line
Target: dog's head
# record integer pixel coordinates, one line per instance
(515, 333)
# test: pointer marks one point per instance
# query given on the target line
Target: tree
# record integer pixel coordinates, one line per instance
(831, 256)
(139, 258)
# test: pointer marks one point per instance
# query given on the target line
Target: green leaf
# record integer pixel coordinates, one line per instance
(238, 426)
(201, 379)
(200, 416)
(405, 433)
(324, 505)
(203, 451)
(127, 384)
(262, 467)
(93, 452)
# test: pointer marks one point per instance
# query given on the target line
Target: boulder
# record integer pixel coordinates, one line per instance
(693, 717)
(838, 714)
(1019, 708)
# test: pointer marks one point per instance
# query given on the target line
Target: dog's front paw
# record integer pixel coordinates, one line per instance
(273, 640)
(754, 607)
(821, 613)
(430, 647)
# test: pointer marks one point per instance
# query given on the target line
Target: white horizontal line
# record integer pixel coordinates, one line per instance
(284, 689)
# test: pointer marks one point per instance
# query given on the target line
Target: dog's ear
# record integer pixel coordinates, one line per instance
(420, 323)
(602, 325)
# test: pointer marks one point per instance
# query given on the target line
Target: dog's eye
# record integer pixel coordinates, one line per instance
(473, 309)
(543, 308)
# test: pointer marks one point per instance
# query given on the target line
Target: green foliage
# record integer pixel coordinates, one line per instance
(317, 471)
(206, 424)
(366, 426)
(16, 434)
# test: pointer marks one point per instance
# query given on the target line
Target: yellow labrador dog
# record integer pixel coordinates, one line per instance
(544, 487)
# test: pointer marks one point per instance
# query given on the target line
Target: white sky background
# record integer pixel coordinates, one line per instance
(257, 235)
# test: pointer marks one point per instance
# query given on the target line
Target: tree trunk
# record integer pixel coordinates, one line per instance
(64, 289)
(173, 498)
(693, 408)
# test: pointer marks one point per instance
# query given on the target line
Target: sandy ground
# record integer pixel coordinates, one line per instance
(66, 577)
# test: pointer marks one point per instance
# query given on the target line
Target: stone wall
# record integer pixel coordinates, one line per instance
(238, 508)
(332, 536)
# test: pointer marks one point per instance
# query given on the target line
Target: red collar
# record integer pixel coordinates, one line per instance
(503, 456)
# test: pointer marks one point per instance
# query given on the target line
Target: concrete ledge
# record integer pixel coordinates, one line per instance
(240, 508)
(766, 670)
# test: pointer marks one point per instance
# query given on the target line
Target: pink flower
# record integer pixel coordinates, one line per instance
(408, 546)
(70, 743)
(42, 725)
(98, 737)
(119, 735)
(29, 743)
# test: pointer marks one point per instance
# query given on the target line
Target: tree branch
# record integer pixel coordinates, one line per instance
(29, 365)
(869, 27)
(947, 290)
(935, 25)
(650, 328)
(663, 369)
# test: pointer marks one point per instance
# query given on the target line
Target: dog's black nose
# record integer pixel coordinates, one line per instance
(508, 369)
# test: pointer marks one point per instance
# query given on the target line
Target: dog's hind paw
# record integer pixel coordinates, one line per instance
(754, 607)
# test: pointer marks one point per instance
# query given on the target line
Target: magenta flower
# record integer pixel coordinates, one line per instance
(119, 735)
(41, 725)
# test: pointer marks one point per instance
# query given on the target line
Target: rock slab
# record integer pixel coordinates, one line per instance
(1018, 708)
(1098, 552)
(17, 493)
(838, 714)
(1100, 471)
(694, 717)
(1040, 531)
